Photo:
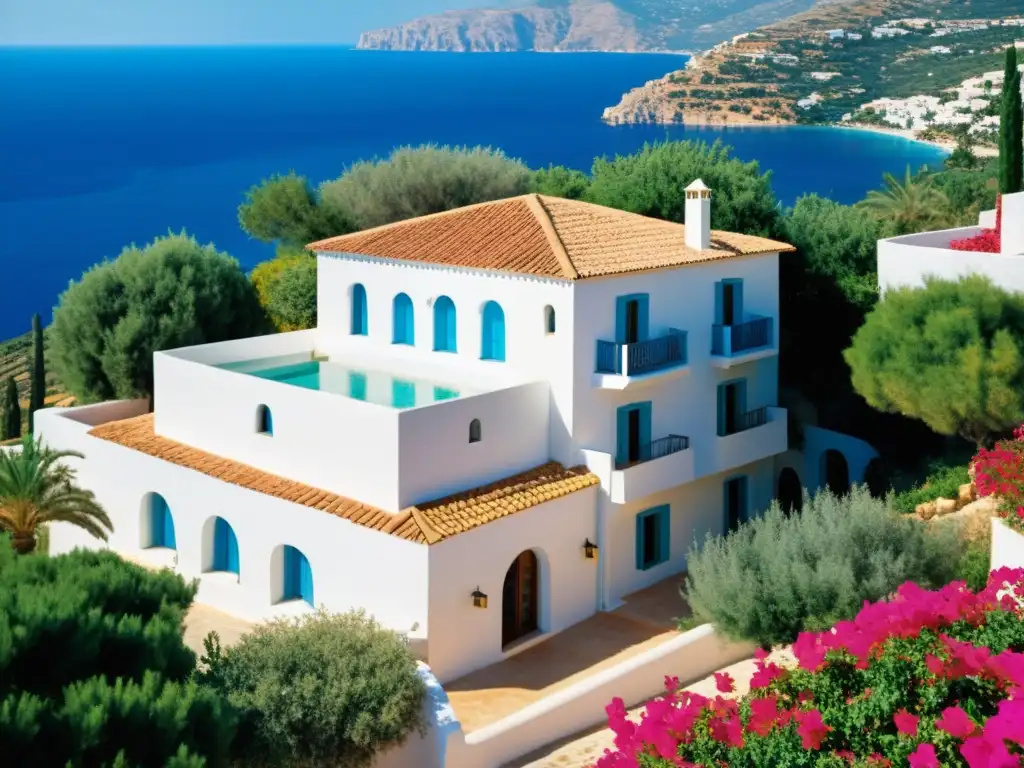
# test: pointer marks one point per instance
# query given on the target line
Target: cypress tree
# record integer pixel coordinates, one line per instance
(10, 414)
(38, 392)
(1011, 130)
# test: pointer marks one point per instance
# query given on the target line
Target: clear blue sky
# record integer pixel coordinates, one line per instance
(205, 22)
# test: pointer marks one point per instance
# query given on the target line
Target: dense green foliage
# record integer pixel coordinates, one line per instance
(93, 669)
(265, 274)
(285, 209)
(37, 486)
(10, 411)
(1011, 131)
(907, 206)
(942, 482)
(779, 575)
(172, 293)
(37, 396)
(320, 690)
(291, 297)
(653, 181)
(950, 354)
(559, 181)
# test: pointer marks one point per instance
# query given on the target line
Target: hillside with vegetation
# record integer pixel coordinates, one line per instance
(825, 64)
(584, 25)
(16, 363)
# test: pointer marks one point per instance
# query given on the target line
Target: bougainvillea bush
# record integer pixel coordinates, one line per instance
(999, 472)
(986, 241)
(925, 679)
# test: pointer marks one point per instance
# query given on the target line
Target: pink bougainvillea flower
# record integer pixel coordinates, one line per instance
(810, 651)
(671, 684)
(811, 728)
(764, 675)
(906, 723)
(728, 732)
(955, 722)
(935, 665)
(922, 757)
(980, 752)
(724, 682)
(763, 714)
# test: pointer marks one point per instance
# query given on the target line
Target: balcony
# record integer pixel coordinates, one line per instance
(752, 436)
(622, 366)
(743, 342)
(664, 463)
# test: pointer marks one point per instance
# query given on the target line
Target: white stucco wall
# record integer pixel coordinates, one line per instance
(464, 638)
(352, 566)
(683, 299)
(1007, 546)
(530, 352)
(906, 261)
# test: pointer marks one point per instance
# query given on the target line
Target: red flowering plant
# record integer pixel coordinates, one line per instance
(999, 472)
(925, 679)
(988, 240)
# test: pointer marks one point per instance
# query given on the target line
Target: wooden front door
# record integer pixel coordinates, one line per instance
(519, 599)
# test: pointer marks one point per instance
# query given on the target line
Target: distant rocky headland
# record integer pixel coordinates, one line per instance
(583, 25)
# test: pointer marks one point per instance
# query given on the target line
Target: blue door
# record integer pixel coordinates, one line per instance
(298, 576)
(404, 331)
(493, 342)
(633, 433)
(225, 547)
(444, 325)
(359, 324)
(161, 523)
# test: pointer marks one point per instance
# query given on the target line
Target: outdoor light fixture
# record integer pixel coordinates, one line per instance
(479, 598)
(590, 549)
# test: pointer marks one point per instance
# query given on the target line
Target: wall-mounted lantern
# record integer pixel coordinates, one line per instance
(589, 549)
(479, 598)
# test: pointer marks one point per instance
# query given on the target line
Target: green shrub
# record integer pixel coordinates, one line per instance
(779, 575)
(93, 668)
(320, 690)
(942, 482)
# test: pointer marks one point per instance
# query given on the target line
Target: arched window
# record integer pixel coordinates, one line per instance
(359, 325)
(549, 319)
(404, 331)
(444, 325)
(474, 431)
(493, 341)
(225, 547)
(835, 472)
(157, 524)
(264, 421)
(298, 576)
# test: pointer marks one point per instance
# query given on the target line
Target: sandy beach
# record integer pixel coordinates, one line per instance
(944, 144)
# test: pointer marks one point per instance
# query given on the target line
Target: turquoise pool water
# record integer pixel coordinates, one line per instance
(360, 384)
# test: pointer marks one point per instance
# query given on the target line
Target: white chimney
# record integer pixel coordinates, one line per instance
(698, 216)
(1012, 240)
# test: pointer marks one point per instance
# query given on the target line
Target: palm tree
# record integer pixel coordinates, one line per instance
(913, 205)
(37, 487)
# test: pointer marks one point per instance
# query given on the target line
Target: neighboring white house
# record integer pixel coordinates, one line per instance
(907, 260)
(836, 34)
(509, 416)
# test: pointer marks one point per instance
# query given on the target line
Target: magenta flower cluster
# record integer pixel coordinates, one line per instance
(999, 471)
(976, 719)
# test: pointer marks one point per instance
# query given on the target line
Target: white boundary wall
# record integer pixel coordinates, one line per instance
(1007, 546)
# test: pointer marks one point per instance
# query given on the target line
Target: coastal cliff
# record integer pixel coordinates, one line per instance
(583, 25)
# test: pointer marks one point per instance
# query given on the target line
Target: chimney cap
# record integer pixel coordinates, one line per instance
(698, 186)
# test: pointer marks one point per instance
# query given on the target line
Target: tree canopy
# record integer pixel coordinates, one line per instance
(907, 206)
(950, 354)
(291, 296)
(93, 668)
(171, 293)
(285, 209)
(1011, 153)
(653, 181)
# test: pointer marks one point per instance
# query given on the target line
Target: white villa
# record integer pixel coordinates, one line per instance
(509, 416)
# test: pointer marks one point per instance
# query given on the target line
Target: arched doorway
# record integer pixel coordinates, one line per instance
(836, 472)
(519, 598)
(789, 492)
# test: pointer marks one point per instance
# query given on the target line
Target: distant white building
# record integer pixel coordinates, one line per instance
(940, 49)
(810, 101)
(836, 34)
(879, 32)
(824, 76)
(854, 36)
(508, 417)
(787, 59)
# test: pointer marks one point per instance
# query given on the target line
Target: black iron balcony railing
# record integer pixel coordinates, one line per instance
(734, 339)
(644, 356)
(744, 421)
(664, 446)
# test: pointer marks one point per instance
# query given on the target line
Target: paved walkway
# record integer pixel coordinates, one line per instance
(602, 641)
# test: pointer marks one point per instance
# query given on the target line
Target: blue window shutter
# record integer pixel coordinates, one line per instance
(737, 292)
(741, 395)
(450, 327)
(220, 544)
(493, 332)
(359, 324)
(643, 327)
(499, 331)
(639, 542)
(168, 521)
(233, 559)
(664, 534)
(291, 584)
(622, 434)
(645, 423)
(305, 579)
(402, 320)
(444, 325)
(721, 409)
(620, 319)
(719, 303)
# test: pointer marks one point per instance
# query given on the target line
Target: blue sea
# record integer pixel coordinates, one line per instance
(103, 147)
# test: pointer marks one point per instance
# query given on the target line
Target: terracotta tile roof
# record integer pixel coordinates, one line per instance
(424, 524)
(544, 236)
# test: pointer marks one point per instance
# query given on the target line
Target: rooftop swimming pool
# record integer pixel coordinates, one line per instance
(371, 386)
